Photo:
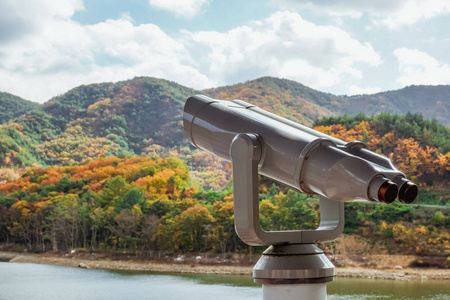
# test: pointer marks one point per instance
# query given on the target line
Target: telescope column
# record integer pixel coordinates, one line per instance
(317, 291)
(295, 271)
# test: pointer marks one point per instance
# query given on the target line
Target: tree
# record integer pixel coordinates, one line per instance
(191, 225)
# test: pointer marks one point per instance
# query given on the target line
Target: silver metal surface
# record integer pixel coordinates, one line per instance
(290, 264)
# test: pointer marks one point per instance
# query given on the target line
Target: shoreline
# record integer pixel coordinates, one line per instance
(222, 269)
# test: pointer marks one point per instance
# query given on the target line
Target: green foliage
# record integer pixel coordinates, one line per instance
(290, 211)
(131, 198)
(354, 214)
(208, 196)
(12, 107)
(74, 145)
(440, 197)
(392, 213)
(15, 148)
(129, 117)
(39, 126)
(439, 219)
(389, 233)
(73, 104)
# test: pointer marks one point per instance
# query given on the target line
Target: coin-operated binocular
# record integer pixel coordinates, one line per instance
(256, 141)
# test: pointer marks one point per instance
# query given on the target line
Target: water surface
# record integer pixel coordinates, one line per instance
(36, 282)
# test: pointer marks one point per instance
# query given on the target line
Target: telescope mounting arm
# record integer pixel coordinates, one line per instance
(246, 153)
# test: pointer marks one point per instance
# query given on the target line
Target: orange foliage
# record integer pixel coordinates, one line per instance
(53, 176)
(20, 184)
(95, 187)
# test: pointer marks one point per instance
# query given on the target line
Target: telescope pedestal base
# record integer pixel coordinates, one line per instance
(294, 271)
(317, 291)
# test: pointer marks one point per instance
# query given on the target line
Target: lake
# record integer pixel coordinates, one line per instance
(32, 282)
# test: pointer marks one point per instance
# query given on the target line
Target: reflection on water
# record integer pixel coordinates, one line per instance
(29, 281)
(356, 289)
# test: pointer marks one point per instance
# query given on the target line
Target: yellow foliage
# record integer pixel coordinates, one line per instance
(266, 208)
(422, 230)
(383, 226)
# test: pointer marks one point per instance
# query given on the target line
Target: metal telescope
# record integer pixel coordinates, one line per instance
(259, 142)
(302, 158)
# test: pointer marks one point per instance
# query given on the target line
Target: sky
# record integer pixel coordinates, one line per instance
(345, 47)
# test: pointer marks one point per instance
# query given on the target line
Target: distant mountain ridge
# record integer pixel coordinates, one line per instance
(132, 116)
(282, 96)
(432, 102)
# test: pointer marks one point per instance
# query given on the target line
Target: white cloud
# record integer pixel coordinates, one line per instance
(181, 8)
(392, 14)
(417, 67)
(284, 45)
(413, 11)
(19, 18)
(64, 54)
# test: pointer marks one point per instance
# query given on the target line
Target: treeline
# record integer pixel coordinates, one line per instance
(150, 205)
(134, 204)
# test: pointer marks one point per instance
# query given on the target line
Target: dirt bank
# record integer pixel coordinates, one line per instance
(395, 272)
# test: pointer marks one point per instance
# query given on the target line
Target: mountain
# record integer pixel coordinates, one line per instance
(97, 120)
(144, 115)
(431, 101)
(13, 106)
(129, 112)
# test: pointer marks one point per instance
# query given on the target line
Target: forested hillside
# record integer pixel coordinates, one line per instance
(125, 118)
(150, 205)
(107, 167)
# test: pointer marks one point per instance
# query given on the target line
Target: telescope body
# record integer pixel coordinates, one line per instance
(295, 155)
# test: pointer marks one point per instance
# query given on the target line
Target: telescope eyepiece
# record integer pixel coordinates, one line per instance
(408, 192)
(388, 192)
